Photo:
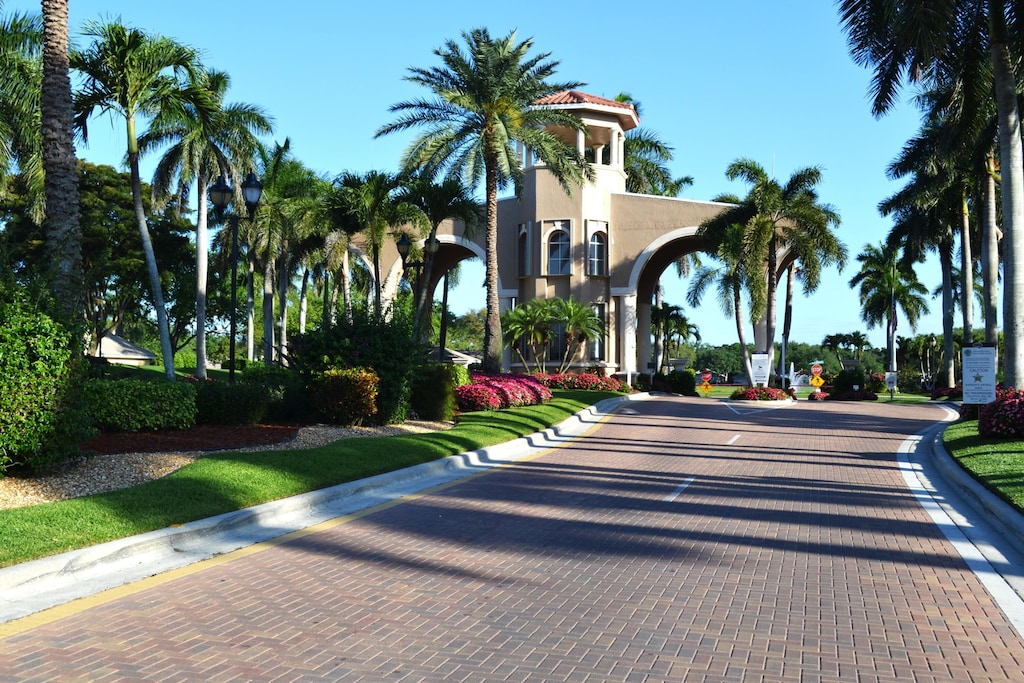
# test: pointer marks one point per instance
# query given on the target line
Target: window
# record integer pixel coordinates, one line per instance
(524, 251)
(597, 255)
(559, 252)
(556, 342)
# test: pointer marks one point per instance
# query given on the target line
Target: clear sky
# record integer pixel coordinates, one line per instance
(716, 81)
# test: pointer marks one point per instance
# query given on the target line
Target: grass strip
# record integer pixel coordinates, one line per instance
(219, 483)
(996, 463)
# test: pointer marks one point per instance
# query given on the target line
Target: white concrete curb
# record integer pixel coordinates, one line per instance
(33, 586)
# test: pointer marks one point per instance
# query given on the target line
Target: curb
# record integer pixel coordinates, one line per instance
(36, 585)
(1007, 519)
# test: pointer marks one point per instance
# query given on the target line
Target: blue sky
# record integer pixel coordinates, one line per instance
(717, 81)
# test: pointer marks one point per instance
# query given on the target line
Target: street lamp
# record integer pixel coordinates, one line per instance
(430, 247)
(220, 195)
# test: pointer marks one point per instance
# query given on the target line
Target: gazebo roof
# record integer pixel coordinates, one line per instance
(574, 99)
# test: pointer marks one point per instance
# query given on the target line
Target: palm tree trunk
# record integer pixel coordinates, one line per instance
(990, 258)
(303, 300)
(202, 259)
(966, 274)
(268, 311)
(283, 272)
(346, 288)
(737, 304)
(771, 308)
(787, 322)
(63, 232)
(147, 249)
(250, 309)
(492, 328)
(1011, 162)
(946, 259)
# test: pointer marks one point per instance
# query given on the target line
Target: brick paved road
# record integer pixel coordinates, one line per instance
(680, 541)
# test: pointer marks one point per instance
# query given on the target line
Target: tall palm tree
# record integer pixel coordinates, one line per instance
(132, 74)
(776, 218)
(731, 280)
(482, 106)
(447, 199)
(887, 285)
(904, 40)
(217, 139)
(21, 40)
(63, 232)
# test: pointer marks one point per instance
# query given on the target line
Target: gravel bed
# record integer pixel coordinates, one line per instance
(99, 473)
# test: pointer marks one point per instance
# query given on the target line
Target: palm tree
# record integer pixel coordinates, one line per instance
(530, 324)
(776, 218)
(581, 324)
(132, 74)
(887, 285)
(731, 280)
(63, 232)
(907, 40)
(482, 107)
(204, 143)
(373, 202)
(21, 40)
(447, 199)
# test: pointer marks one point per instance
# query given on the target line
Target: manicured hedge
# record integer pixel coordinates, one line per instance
(131, 405)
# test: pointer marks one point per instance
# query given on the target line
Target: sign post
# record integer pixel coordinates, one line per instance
(705, 378)
(891, 379)
(816, 380)
(759, 365)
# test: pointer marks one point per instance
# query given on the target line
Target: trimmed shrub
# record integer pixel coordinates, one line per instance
(846, 380)
(947, 393)
(131, 405)
(490, 392)
(384, 345)
(817, 396)
(284, 391)
(676, 382)
(346, 396)
(40, 376)
(852, 396)
(221, 403)
(475, 397)
(433, 391)
(589, 381)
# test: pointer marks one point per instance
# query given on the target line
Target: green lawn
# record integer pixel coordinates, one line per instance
(996, 463)
(220, 483)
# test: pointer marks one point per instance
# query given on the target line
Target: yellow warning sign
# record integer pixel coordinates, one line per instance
(817, 381)
(706, 388)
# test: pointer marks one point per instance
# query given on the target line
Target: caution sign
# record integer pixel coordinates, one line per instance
(817, 381)
(706, 388)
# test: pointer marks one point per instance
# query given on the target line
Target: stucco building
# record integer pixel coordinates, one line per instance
(600, 244)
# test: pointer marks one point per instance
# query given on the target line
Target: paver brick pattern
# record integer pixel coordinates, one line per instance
(679, 541)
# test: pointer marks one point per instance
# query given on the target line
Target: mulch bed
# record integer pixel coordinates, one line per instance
(198, 438)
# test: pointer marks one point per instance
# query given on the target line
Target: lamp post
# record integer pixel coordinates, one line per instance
(430, 246)
(220, 195)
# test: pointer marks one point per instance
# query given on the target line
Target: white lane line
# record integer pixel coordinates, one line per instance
(733, 440)
(679, 489)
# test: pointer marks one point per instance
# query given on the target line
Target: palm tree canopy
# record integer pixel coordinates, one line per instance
(483, 105)
(884, 280)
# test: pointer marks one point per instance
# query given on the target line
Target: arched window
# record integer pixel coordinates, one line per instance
(597, 255)
(559, 252)
(524, 252)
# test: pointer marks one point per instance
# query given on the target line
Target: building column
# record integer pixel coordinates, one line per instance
(504, 304)
(627, 335)
(581, 142)
(643, 337)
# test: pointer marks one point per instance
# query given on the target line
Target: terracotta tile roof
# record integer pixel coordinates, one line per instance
(577, 97)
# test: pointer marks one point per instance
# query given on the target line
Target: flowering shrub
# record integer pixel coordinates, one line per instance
(585, 380)
(951, 393)
(473, 397)
(1004, 416)
(490, 392)
(852, 396)
(817, 396)
(760, 394)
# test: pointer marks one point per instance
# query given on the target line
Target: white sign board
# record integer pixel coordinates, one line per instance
(761, 367)
(979, 381)
(891, 381)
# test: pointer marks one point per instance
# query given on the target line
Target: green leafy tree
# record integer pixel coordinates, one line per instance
(482, 106)
(530, 325)
(132, 74)
(581, 323)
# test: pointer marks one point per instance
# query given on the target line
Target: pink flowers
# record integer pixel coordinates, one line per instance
(760, 394)
(492, 392)
(584, 380)
(1004, 416)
